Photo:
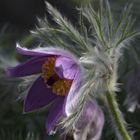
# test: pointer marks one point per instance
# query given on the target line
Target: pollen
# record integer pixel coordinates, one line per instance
(58, 85)
(61, 87)
(48, 68)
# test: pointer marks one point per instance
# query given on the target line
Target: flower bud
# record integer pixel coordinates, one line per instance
(90, 123)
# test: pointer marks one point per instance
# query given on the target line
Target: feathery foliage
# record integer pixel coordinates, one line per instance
(97, 46)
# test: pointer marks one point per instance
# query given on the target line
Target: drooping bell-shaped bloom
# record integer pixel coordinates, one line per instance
(60, 76)
(90, 123)
(132, 100)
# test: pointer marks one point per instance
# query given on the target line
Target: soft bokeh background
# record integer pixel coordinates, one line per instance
(17, 17)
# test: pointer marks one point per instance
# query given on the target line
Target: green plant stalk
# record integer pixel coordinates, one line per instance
(117, 117)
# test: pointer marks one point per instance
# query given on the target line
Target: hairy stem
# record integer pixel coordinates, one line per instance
(117, 116)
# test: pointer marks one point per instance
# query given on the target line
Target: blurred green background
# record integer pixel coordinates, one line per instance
(17, 18)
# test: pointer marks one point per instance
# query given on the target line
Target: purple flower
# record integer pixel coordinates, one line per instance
(60, 76)
(90, 123)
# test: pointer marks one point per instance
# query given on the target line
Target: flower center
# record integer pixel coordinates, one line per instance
(59, 86)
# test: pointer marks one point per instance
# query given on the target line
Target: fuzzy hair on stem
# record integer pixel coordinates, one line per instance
(98, 50)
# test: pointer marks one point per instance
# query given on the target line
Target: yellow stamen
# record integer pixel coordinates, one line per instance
(59, 86)
(48, 68)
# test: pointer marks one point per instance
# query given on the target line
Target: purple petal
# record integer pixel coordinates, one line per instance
(42, 51)
(39, 96)
(99, 125)
(33, 66)
(90, 122)
(54, 115)
(72, 96)
(66, 67)
(89, 111)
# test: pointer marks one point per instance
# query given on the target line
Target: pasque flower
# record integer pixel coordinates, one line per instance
(90, 123)
(59, 77)
(132, 100)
